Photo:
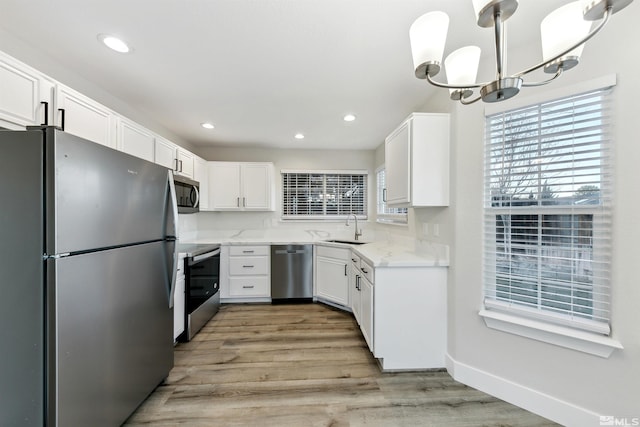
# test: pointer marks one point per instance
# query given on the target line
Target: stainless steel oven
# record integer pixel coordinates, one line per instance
(202, 289)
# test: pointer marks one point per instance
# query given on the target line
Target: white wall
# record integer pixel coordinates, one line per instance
(288, 159)
(571, 387)
(57, 71)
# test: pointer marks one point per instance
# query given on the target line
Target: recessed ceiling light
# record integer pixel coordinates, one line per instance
(114, 43)
(207, 125)
(299, 136)
(349, 118)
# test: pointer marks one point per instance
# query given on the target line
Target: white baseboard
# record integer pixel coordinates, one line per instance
(532, 400)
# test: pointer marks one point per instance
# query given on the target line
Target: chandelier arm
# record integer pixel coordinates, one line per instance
(448, 86)
(544, 82)
(607, 14)
(498, 27)
(463, 102)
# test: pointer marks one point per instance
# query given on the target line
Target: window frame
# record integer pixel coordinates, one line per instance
(362, 175)
(385, 214)
(552, 329)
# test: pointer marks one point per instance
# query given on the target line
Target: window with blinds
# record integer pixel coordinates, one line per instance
(385, 213)
(547, 216)
(323, 195)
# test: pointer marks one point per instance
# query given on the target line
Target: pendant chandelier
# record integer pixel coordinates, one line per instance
(563, 32)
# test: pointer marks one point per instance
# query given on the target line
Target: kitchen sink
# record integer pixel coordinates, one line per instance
(347, 242)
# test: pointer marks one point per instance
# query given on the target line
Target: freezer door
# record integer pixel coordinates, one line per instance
(21, 280)
(98, 197)
(114, 332)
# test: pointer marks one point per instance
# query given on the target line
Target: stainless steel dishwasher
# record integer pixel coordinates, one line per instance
(291, 273)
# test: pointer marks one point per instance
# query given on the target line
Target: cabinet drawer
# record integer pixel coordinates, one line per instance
(248, 250)
(330, 252)
(367, 270)
(248, 265)
(249, 287)
(355, 260)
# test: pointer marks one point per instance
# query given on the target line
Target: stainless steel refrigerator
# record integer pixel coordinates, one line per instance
(87, 267)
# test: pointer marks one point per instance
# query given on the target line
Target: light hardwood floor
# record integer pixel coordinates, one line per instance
(306, 365)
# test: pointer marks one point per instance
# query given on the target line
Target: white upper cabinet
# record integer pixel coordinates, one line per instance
(84, 117)
(185, 162)
(29, 98)
(136, 140)
(237, 186)
(25, 95)
(417, 162)
(174, 157)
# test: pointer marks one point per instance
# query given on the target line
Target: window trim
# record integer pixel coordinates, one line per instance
(401, 219)
(516, 323)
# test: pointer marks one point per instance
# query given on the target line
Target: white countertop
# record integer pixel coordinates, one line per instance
(380, 254)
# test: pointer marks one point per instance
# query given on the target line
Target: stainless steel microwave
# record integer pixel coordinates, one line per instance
(187, 194)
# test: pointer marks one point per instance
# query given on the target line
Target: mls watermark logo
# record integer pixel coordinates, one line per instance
(610, 420)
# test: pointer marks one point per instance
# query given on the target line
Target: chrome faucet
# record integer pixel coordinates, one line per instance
(358, 233)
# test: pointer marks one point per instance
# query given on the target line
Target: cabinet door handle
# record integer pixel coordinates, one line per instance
(248, 287)
(364, 270)
(384, 195)
(61, 118)
(238, 202)
(176, 167)
(46, 113)
(248, 252)
(244, 202)
(247, 266)
(345, 269)
(180, 161)
(357, 282)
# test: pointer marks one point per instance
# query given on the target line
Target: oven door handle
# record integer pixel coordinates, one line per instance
(204, 256)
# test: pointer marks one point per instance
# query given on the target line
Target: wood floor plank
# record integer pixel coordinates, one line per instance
(306, 365)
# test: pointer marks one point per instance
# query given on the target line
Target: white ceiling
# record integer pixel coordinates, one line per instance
(259, 70)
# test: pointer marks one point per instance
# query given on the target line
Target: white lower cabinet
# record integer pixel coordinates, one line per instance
(354, 287)
(366, 305)
(332, 274)
(402, 313)
(179, 300)
(245, 273)
(361, 289)
(410, 317)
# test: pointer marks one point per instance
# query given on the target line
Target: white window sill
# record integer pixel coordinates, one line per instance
(390, 221)
(562, 336)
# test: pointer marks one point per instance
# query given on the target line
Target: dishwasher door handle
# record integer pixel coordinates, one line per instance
(288, 252)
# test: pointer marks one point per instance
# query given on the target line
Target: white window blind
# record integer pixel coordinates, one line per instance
(321, 195)
(385, 213)
(547, 222)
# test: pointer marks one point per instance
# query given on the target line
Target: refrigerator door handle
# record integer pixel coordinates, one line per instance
(172, 229)
(174, 274)
(172, 217)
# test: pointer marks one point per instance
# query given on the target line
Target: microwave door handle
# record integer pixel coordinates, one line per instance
(196, 203)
